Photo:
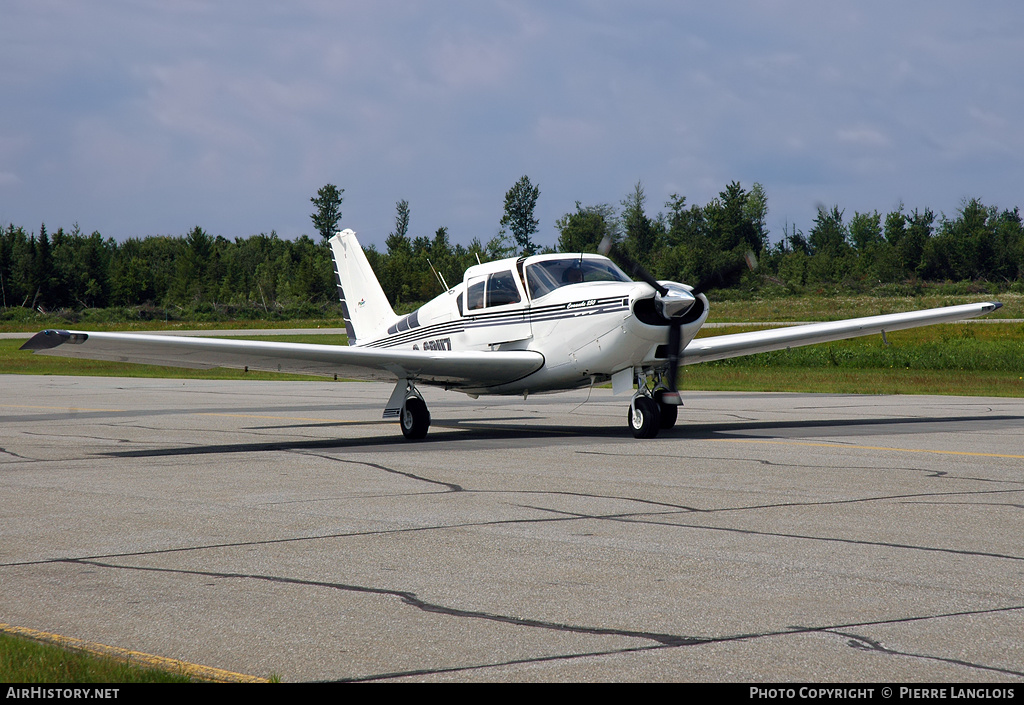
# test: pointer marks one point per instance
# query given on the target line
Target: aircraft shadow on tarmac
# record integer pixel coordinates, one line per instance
(502, 431)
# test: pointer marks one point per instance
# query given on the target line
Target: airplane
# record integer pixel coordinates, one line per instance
(517, 326)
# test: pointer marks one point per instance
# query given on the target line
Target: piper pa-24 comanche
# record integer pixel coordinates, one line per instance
(518, 326)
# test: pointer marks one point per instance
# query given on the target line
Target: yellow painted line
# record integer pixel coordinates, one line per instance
(843, 445)
(56, 408)
(137, 658)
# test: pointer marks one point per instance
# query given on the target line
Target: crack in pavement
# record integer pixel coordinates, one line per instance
(294, 539)
(660, 639)
(858, 641)
(562, 516)
(411, 599)
(11, 453)
(451, 486)
(636, 518)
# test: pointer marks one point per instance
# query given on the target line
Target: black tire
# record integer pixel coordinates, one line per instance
(414, 419)
(669, 412)
(644, 418)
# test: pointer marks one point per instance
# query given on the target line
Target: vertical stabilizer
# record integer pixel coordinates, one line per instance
(363, 303)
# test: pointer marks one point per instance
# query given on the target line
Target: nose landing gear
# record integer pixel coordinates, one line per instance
(652, 409)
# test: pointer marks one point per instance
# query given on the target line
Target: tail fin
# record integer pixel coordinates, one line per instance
(363, 303)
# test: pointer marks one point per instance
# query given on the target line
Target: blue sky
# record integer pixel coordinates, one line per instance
(143, 118)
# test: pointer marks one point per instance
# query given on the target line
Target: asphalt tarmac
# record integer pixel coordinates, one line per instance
(284, 528)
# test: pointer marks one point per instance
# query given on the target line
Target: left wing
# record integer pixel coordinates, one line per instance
(479, 369)
(720, 347)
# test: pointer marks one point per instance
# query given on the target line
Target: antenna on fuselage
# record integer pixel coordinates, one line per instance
(438, 275)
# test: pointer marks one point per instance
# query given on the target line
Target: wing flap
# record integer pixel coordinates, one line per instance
(478, 369)
(720, 347)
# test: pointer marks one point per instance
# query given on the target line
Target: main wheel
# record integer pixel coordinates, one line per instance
(644, 418)
(669, 412)
(415, 419)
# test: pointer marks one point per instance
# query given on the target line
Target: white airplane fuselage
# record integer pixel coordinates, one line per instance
(586, 330)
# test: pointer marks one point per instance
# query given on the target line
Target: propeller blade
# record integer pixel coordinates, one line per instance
(675, 341)
(608, 249)
(723, 275)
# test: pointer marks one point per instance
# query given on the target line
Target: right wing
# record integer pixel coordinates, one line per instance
(720, 347)
(476, 369)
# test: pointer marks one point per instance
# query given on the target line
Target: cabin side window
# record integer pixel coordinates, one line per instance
(501, 289)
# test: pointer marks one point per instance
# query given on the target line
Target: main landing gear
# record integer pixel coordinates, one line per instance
(415, 419)
(407, 405)
(652, 410)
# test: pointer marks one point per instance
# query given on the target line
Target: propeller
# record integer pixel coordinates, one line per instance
(674, 302)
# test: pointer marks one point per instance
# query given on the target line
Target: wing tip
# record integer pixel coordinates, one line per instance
(50, 338)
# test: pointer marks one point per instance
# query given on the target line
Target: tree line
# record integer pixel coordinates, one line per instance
(265, 275)
(690, 243)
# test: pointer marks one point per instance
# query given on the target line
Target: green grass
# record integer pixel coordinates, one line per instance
(858, 381)
(996, 347)
(952, 359)
(40, 322)
(833, 308)
(23, 660)
(15, 361)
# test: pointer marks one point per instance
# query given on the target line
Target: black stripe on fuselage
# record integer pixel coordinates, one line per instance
(551, 312)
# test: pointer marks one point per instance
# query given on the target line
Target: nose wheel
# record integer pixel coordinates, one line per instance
(644, 417)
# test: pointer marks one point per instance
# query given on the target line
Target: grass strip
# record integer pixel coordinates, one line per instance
(26, 660)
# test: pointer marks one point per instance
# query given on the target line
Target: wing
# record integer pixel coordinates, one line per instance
(720, 347)
(479, 369)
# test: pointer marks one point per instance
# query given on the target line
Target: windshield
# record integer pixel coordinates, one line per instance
(544, 277)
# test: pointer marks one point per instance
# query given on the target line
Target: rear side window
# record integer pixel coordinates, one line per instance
(475, 294)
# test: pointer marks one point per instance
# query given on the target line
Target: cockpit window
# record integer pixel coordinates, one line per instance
(544, 277)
